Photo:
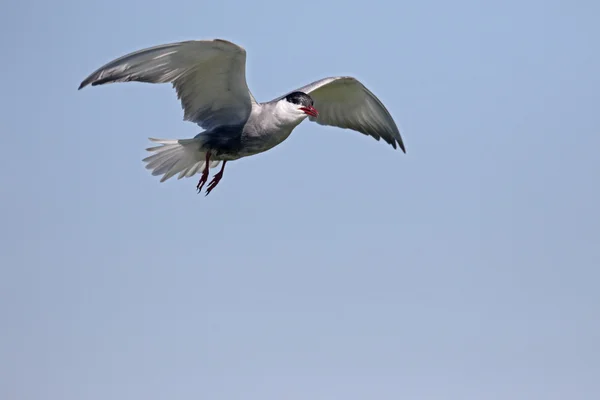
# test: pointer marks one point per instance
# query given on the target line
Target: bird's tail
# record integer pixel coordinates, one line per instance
(181, 156)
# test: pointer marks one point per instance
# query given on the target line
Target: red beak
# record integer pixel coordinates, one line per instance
(310, 110)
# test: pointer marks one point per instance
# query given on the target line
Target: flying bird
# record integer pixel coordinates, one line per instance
(209, 77)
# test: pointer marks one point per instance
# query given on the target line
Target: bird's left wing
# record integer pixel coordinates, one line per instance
(346, 103)
(208, 75)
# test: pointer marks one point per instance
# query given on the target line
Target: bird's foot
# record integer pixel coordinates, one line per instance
(215, 181)
(202, 180)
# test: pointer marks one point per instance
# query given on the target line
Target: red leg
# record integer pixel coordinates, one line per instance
(216, 179)
(204, 177)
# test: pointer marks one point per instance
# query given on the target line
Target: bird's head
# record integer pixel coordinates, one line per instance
(299, 104)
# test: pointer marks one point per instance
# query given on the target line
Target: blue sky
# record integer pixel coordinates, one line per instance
(331, 267)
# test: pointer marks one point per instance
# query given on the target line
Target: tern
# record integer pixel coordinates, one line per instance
(209, 77)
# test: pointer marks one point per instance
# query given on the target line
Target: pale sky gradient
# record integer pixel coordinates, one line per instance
(331, 267)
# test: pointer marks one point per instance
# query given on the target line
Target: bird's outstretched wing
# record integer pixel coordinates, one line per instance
(346, 103)
(208, 75)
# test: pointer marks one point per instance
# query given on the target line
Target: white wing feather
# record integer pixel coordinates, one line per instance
(208, 75)
(346, 103)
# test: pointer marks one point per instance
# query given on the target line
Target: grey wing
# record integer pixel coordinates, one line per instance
(346, 103)
(208, 75)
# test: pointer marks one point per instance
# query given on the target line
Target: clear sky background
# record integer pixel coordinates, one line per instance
(331, 267)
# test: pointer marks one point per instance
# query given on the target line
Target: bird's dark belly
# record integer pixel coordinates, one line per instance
(229, 143)
(223, 142)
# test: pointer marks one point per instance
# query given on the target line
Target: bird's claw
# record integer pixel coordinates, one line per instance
(215, 181)
(201, 182)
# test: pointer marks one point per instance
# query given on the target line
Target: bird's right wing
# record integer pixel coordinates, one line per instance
(345, 102)
(208, 75)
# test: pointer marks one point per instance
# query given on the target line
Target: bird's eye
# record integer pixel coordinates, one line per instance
(296, 98)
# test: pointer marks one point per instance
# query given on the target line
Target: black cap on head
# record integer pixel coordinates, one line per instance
(302, 99)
